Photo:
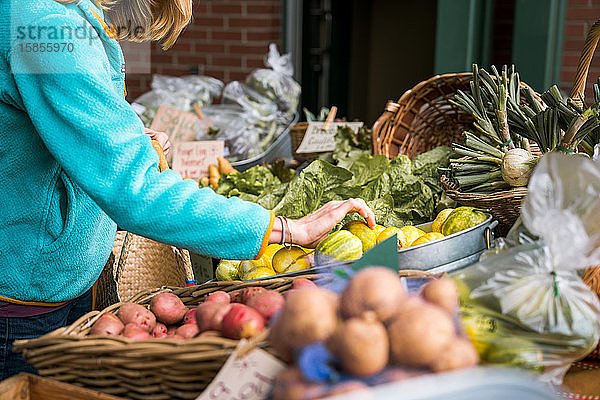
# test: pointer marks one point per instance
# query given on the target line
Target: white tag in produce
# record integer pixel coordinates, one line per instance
(191, 159)
(317, 140)
(244, 378)
(181, 126)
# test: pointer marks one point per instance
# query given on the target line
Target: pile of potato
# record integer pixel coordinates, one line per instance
(373, 326)
(243, 314)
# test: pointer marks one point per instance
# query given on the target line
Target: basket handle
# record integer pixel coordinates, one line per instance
(583, 65)
(381, 124)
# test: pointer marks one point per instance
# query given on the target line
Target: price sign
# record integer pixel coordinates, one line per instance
(191, 159)
(181, 126)
(244, 378)
(317, 140)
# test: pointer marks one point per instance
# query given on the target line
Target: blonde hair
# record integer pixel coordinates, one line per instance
(141, 20)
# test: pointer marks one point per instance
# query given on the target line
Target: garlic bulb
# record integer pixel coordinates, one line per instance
(517, 167)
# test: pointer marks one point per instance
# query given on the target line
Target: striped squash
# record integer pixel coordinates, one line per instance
(339, 246)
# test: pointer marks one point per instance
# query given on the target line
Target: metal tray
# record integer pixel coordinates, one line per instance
(280, 149)
(451, 252)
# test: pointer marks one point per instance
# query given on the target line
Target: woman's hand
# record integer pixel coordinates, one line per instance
(161, 138)
(313, 228)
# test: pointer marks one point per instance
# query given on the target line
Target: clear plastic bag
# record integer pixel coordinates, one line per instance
(179, 92)
(230, 123)
(264, 122)
(527, 305)
(276, 82)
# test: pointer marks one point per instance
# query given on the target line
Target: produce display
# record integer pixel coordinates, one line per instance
(347, 244)
(527, 306)
(373, 332)
(241, 314)
(507, 118)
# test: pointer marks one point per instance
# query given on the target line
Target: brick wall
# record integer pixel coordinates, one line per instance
(227, 40)
(581, 14)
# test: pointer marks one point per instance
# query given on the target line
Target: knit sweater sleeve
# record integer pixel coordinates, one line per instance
(87, 125)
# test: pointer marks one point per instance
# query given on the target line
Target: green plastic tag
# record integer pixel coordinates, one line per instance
(385, 254)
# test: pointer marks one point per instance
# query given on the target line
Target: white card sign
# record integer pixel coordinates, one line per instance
(181, 126)
(191, 159)
(317, 140)
(244, 378)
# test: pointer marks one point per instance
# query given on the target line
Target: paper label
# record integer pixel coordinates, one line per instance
(247, 378)
(317, 140)
(181, 126)
(191, 159)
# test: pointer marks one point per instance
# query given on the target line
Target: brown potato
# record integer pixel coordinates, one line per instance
(442, 292)
(361, 346)
(459, 353)
(308, 315)
(419, 333)
(375, 289)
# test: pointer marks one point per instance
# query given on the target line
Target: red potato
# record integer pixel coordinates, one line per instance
(267, 303)
(131, 313)
(236, 297)
(108, 324)
(187, 331)
(159, 331)
(136, 332)
(302, 282)
(249, 292)
(218, 297)
(242, 322)
(209, 316)
(168, 308)
(171, 330)
(190, 317)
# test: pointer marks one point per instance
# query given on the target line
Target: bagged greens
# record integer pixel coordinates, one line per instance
(179, 92)
(527, 306)
(276, 82)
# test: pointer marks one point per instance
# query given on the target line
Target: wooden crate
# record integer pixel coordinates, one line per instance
(32, 387)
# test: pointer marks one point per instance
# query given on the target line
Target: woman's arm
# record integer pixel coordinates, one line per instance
(88, 127)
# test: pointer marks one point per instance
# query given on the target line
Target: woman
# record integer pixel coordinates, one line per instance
(74, 162)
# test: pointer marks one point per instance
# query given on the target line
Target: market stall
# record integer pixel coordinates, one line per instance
(477, 281)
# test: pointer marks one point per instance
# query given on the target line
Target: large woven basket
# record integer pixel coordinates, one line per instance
(423, 119)
(147, 369)
(138, 263)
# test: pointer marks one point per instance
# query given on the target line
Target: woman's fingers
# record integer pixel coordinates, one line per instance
(161, 137)
(361, 207)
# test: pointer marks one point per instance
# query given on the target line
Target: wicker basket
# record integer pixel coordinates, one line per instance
(423, 119)
(592, 275)
(146, 369)
(138, 264)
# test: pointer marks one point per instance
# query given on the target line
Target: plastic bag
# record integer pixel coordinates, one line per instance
(179, 92)
(276, 83)
(230, 124)
(264, 122)
(597, 153)
(527, 305)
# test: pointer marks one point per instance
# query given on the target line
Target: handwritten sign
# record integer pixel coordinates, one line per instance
(181, 126)
(191, 159)
(317, 140)
(247, 378)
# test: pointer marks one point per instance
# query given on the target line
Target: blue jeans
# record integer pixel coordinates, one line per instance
(31, 327)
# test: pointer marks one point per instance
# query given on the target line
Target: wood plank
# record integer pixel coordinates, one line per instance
(33, 387)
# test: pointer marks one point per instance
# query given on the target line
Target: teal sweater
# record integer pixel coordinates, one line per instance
(74, 161)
